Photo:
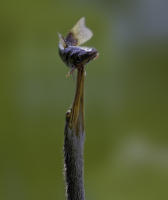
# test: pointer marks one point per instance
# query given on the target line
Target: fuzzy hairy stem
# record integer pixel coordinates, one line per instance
(74, 135)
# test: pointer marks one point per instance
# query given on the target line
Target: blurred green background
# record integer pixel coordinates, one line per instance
(126, 99)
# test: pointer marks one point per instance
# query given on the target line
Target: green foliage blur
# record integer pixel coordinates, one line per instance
(126, 99)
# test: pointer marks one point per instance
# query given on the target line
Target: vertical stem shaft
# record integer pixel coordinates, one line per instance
(74, 143)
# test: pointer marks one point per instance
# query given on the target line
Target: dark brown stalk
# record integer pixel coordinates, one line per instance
(74, 143)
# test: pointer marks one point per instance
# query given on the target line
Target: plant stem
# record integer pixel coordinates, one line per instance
(74, 143)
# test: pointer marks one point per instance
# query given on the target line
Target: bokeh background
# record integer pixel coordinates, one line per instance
(126, 99)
